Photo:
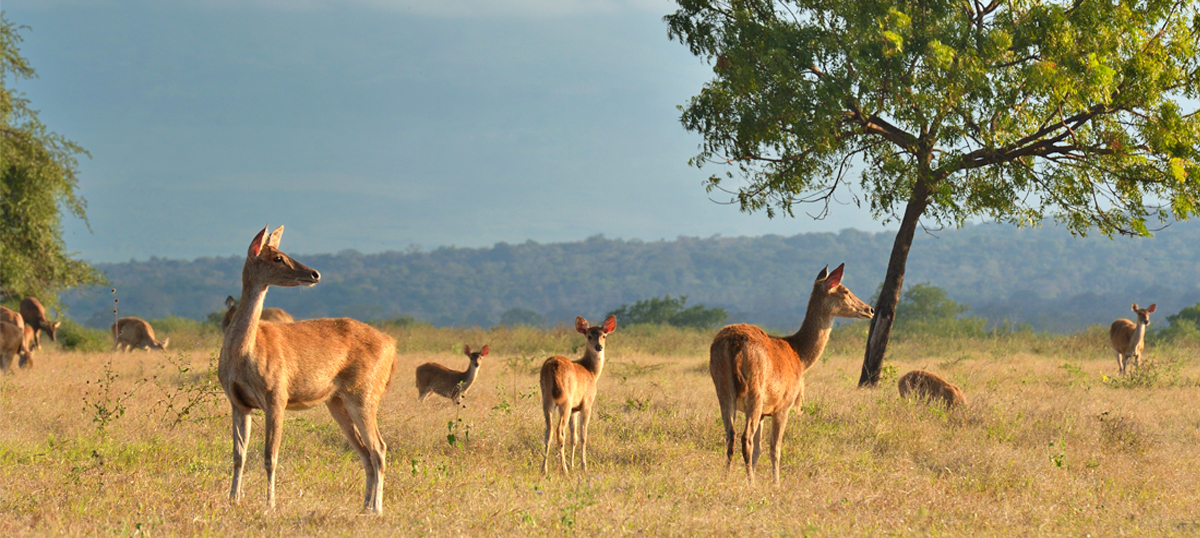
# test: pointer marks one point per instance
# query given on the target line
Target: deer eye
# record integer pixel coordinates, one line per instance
(278, 259)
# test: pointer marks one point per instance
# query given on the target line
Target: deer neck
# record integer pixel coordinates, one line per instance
(1139, 332)
(809, 341)
(243, 328)
(469, 375)
(593, 361)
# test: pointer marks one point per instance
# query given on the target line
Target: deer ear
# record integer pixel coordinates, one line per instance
(1152, 307)
(273, 241)
(483, 352)
(257, 243)
(823, 274)
(835, 278)
(229, 302)
(610, 324)
(581, 324)
(1134, 308)
(467, 350)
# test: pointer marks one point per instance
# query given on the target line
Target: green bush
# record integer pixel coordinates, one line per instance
(671, 311)
(75, 337)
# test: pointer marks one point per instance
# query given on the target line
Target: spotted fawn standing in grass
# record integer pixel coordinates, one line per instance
(569, 388)
(763, 376)
(930, 387)
(1128, 337)
(453, 384)
(343, 363)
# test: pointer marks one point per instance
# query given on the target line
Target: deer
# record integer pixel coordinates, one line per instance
(569, 388)
(9, 316)
(930, 387)
(343, 363)
(35, 316)
(1128, 337)
(435, 378)
(13, 344)
(276, 315)
(135, 333)
(763, 376)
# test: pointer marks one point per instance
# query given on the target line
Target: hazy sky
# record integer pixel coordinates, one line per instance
(375, 124)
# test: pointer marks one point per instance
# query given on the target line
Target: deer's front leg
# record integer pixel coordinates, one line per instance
(241, 438)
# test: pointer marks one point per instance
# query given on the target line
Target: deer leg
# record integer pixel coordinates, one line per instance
(574, 435)
(337, 408)
(751, 437)
(758, 443)
(585, 416)
(728, 414)
(274, 434)
(546, 411)
(241, 437)
(564, 416)
(365, 419)
(778, 423)
(1121, 363)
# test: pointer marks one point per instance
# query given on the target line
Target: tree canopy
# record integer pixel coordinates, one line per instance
(667, 310)
(38, 170)
(949, 110)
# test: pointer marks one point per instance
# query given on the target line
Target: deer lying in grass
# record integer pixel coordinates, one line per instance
(343, 363)
(763, 376)
(35, 317)
(435, 378)
(275, 315)
(13, 344)
(1128, 337)
(569, 387)
(929, 387)
(131, 333)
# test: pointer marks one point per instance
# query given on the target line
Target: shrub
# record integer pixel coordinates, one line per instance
(75, 337)
(669, 310)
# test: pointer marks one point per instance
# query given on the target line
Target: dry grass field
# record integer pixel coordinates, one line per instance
(139, 444)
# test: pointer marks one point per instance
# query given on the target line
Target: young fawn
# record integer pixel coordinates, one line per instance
(131, 333)
(343, 363)
(569, 387)
(763, 376)
(435, 378)
(1128, 337)
(930, 387)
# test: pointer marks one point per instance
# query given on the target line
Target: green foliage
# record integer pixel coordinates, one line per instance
(37, 182)
(514, 317)
(669, 311)
(75, 337)
(1015, 111)
(926, 309)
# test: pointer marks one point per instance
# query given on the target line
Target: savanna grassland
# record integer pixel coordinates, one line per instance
(101, 443)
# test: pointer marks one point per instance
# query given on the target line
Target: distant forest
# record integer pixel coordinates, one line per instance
(1042, 277)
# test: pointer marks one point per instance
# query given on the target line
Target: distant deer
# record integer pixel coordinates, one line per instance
(135, 333)
(343, 363)
(277, 315)
(435, 378)
(1128, 337)
(34, 315)
(570, 388)
(763, 375)
(13, 344)
(930, 387)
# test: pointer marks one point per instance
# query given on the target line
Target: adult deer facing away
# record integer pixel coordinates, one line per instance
(763, 376)
(276, 366)
(1128, 337)
(277, 315)
(35, 316)
(570, 388)
(131, 333)
(435, 378)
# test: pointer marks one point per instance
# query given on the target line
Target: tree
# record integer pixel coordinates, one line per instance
(949, 110)
(38, 172)
(514, 317)
(669, 310)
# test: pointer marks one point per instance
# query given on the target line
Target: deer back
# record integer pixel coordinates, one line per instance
(35, 314)
(929, 386)
(9, 316)
(12, 339)
(432, 376)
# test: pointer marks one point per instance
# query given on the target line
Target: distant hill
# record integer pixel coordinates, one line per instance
(1043, 277)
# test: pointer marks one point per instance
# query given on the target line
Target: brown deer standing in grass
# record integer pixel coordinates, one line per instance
(343, 363)
(930, 387)
(7, 315)
(135, 333)
(13, 343)
(763, 376)
(34, 315)
(1128, 337)
(435, 378)
(276, 315)
(570, 388)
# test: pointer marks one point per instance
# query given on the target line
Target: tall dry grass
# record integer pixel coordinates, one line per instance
(1049, 445)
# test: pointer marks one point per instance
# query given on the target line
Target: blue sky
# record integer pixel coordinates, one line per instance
(375, 124)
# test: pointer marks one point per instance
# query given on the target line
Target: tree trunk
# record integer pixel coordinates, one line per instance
(889, 296)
